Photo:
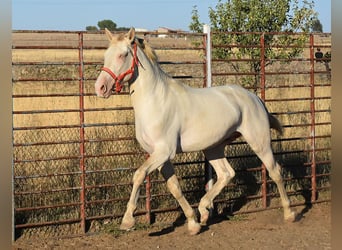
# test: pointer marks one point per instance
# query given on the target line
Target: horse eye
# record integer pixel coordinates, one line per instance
(123, 55)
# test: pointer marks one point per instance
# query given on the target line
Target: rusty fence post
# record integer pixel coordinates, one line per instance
(262, 96)
(313, 128)
(82, 148)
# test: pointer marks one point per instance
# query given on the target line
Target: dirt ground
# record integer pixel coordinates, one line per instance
(262, 230)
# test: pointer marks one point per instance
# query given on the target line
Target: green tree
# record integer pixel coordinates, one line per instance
(258, 16)
(317, 26)
(109, 24)
(195, 24)
(91, 28)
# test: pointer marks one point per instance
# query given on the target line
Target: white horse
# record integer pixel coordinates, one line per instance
(171, 117)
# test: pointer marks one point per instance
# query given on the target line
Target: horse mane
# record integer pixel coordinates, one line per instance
(147, 49)
(143, 45)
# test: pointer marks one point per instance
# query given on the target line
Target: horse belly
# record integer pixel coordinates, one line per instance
(207, 133)
(212, 119)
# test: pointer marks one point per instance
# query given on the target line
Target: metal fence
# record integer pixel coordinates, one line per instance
(75, 154)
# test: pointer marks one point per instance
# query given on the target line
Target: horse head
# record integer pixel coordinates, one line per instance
(120, 62)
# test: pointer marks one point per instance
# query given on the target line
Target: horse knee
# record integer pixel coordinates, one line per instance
(174, 187)
(224, 179)
(231, 173)
(223, 170)
(139, 176)
(227, 176)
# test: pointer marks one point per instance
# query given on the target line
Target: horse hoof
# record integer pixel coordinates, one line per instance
(204, 219)
(194, 228)
(127, 226)
(204, 212)
(291, 217)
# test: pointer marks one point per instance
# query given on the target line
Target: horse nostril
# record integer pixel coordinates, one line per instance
(103, 89)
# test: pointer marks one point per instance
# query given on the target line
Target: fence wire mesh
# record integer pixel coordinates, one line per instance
(75, 154)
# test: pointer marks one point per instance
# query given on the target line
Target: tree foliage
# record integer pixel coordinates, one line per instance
(91, 28)
(106, 23)
(258, 16)
(195, 24)
(317, 26)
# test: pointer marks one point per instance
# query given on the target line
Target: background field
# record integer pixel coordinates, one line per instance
(48, 179)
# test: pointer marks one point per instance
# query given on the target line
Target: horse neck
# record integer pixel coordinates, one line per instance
(151, 79)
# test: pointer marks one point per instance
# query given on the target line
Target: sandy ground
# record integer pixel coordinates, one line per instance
(262, 230)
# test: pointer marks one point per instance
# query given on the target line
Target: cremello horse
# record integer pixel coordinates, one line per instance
(171, 117)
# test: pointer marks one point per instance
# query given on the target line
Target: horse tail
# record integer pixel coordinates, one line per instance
(274, 122)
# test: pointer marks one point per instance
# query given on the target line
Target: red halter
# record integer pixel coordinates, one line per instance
(118, 79)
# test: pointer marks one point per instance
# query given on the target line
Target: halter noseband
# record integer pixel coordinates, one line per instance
(118, 79)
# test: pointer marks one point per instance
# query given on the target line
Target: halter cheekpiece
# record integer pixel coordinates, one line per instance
(118, 79)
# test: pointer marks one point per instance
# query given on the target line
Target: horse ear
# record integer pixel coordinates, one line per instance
(131, 35)
(109, 34)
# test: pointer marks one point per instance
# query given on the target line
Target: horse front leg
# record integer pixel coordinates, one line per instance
(128, 220)
(153, 162)
(224, 173)
(173, 185)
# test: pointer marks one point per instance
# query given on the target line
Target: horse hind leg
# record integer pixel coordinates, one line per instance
(265, 154)
(274, 171)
